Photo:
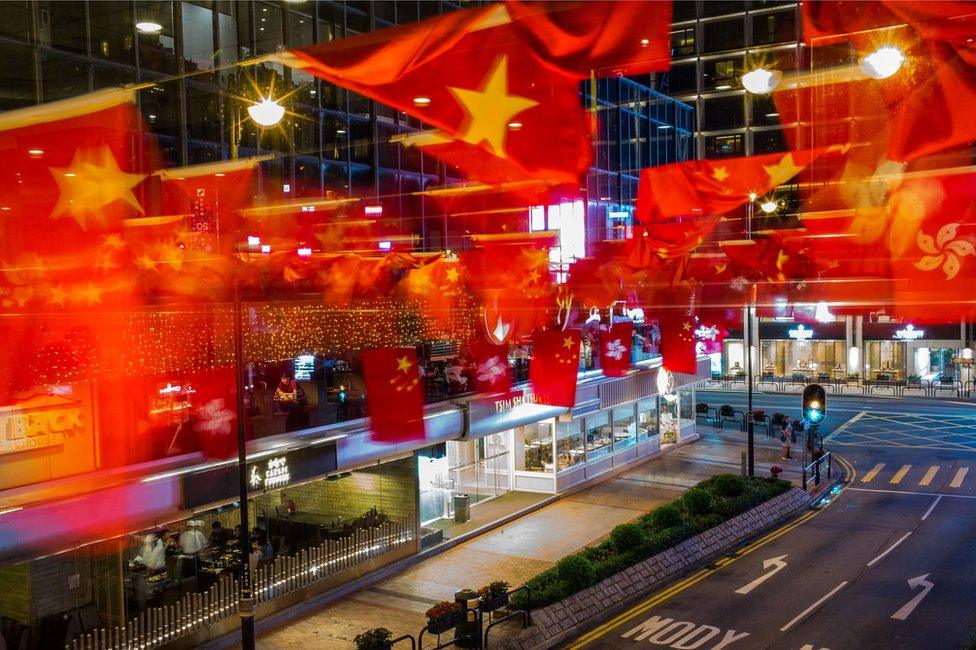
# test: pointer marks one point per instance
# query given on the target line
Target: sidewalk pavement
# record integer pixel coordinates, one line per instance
(519, 550)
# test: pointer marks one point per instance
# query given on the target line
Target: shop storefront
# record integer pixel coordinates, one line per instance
(904, 351)
(803, 352)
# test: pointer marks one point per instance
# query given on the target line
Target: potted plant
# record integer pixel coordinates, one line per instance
(775, 471)
(443, 616)
(494, 596)
(377, 638)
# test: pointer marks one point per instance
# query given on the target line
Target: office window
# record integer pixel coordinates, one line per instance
(721, 74)
(764, 110)
(269, 33)
(16, 76)
(202, 112)
(299, 30)
(723, 113)
(721, 7)
(683, 10)
(112, 76)
(198, 39)
(683, 78)
(62, 25)
(724, 146)
(15, 19)
(63, 76)
(156, 51)
(774, 28)
(768, 141)
(722, 35)
(683, 42)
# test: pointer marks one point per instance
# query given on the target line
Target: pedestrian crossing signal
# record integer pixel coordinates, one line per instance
(814, 403)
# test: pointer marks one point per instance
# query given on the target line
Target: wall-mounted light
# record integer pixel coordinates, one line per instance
(267, 112)
(883, 62)
(761, 81)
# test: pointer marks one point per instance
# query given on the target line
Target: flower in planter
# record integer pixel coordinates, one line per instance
(775, 470)
(443, 609)
(494, 595)
(373, 639)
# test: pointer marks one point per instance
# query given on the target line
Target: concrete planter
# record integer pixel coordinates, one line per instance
(554, 624)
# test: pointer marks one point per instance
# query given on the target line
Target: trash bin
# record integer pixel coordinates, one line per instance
(462, 508)
(469, 627)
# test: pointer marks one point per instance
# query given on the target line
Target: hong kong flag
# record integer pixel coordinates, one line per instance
(492, 367)
(615, 347)
(554, 366)
(214, 415)
(678, 349)
(501, 113)
(394, 394)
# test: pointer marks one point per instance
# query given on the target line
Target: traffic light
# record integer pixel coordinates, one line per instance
(814, 403)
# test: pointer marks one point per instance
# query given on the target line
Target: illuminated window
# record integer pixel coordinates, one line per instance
(566, 218)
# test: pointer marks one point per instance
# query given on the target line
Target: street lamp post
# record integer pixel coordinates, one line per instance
(750, 421)
(266, 113)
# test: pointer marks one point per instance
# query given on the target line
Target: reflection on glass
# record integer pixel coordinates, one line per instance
(686, 402)
(624, 427)
(569, 444)
(647, 418)
(669, 421)
(599, 436)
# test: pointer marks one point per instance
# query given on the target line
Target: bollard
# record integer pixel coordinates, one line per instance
(742, 461)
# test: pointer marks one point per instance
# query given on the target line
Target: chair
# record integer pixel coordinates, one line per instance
(727, 413)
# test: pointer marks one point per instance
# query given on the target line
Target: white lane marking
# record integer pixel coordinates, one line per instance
(890, 549)
(932, 507)
(776, 563)
(921, 494)
(910, 606)
(929, 475)
(958, 478)
(872, 473)
(812, 607)
(841, 428)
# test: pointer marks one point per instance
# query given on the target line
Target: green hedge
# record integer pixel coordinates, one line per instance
(704, 506)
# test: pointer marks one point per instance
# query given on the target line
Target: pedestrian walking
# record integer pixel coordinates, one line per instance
(787, 439)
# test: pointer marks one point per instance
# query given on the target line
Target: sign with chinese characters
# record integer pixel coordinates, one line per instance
(271, 473)
(800, 333)
(909, 333)
(275, 474)
(39, 421)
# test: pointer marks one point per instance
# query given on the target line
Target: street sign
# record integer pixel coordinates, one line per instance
(814, 403)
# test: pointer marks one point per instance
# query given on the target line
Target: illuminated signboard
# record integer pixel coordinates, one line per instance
(37, 422)
(909, 333)
(800, 333)
(275, 474)
(304, 365)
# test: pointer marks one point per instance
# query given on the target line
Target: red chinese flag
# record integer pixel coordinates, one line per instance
(619, 37)
(554, 366)
(677, 340)
(615, 347)
(434, 286)
(492, 372)
(394, 394)
(501, 113)
(338, 277)
(705, 188)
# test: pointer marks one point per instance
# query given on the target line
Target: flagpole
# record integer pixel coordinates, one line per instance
(750, 428)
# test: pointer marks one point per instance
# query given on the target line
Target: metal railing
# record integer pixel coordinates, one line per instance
(158, 626)
(896, 387)
(814, 469)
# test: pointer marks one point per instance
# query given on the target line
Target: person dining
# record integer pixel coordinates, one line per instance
(153, 553)
(192, 539)
(289, 398)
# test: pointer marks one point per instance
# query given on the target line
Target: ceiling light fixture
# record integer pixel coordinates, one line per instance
(149, 27)
(761, 81)
(267, 112)
(883, 62)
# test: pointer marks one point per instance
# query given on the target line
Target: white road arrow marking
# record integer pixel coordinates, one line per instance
(810, 646)
(776, 563)
(910, 606)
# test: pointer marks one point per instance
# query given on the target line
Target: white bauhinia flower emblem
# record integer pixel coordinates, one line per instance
(616, 350)
(491, 370)
(739, 283)
(946, 250)
(215, 417)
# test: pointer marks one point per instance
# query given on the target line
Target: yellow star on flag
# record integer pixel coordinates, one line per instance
(490, 108)
(58, 295)
(568, 342)
(452, 275)
(686, 326)
(720, 268)
(92, 182)
(91, 294)
(782, 171)
(720, 174)
(403, 363)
